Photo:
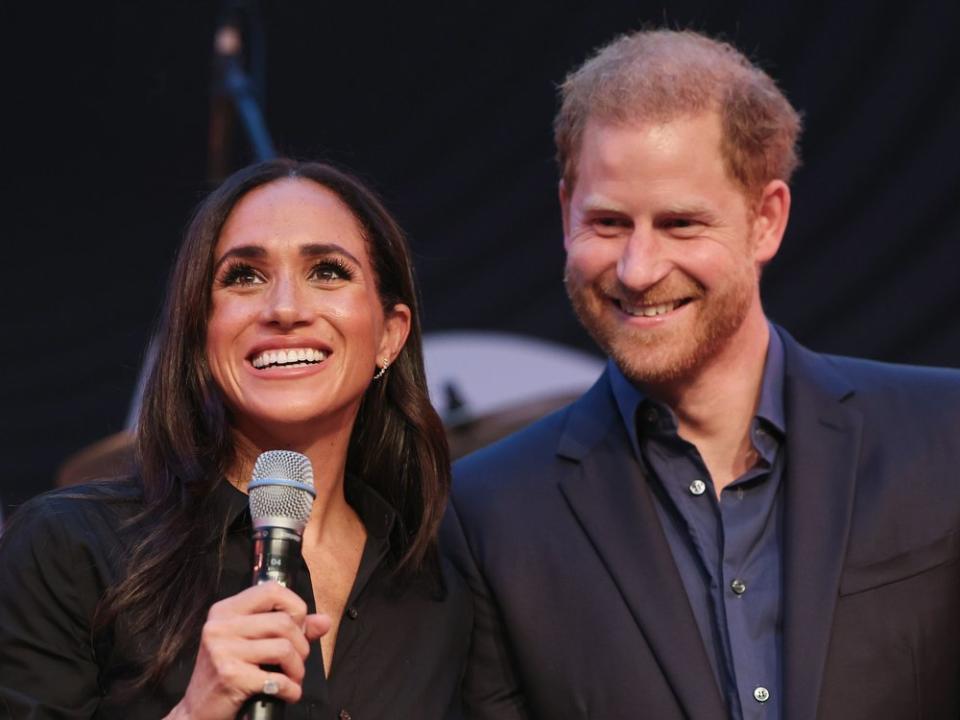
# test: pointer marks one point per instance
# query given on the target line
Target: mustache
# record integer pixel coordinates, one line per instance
(675, 286)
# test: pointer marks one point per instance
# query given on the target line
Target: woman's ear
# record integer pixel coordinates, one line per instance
(396, 329)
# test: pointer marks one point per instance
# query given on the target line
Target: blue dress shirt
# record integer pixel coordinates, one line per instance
(728, 550)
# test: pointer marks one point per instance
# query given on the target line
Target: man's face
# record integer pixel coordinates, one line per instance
(663, 253)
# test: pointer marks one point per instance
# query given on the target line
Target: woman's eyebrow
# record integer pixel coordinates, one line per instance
(241, 251)
(320, 249)
(253, 252)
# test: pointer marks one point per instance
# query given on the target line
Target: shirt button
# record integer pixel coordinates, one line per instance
(652, 415)
(344, 715)
(698, 487)
(352, 612)
(739, 588)
(761, 694)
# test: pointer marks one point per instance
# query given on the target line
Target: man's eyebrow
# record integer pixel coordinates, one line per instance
(599, 205)
(595, 204)
(310, 250)
(687, 209)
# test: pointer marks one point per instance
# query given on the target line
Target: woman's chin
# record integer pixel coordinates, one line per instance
(294, 423)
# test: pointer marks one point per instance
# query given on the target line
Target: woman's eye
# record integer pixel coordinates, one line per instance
(240, 274)
(331, 270)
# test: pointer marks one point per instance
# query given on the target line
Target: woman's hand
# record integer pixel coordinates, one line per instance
(263, 625)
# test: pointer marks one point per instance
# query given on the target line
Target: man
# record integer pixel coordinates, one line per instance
(726, 524)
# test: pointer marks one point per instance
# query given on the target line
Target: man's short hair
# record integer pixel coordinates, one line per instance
(660, 75)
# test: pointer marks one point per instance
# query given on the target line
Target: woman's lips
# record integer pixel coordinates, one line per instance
(288, 357)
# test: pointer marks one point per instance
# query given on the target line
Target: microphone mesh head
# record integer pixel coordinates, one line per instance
(281, 490)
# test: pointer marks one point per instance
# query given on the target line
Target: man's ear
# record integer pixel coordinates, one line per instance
(771, 214)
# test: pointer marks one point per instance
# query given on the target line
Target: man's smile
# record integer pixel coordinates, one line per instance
(650, 310)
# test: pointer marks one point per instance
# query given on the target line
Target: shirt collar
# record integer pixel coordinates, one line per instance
(769, 408)
(375, 512)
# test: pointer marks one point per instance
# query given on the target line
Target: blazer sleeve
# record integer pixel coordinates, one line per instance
(49, 587)
(491, 685)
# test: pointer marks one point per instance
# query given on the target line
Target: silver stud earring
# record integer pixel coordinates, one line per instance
(382, 370)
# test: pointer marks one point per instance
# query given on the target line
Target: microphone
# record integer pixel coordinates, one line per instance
(280, 494)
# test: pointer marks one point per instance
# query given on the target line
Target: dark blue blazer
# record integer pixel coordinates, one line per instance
(580, 609)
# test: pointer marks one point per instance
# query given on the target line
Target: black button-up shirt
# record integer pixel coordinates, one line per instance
(399, 654)
(728, 550)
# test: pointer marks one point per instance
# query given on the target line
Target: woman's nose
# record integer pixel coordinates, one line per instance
(285, 304)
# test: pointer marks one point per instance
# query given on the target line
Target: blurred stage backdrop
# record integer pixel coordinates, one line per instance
(446, 110)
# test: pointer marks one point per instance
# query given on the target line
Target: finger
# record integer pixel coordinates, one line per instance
(272, 651)
(277, 624)
(226, 633)
(317, 626)
(275, 685)
(263, 598)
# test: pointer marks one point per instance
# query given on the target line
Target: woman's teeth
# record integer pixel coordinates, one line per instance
(292, 357)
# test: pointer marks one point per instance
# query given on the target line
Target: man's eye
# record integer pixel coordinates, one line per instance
(240, 274)
(609, 223)
(681, 224)
(331, 270)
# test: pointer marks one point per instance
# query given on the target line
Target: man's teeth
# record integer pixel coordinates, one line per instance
(650, 310)
(292, 357)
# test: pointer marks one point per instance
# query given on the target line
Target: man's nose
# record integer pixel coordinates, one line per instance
(286, 304)
(642, 262)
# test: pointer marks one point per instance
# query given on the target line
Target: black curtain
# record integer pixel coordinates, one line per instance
(447, 112)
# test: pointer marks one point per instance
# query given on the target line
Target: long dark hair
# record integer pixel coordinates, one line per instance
(185, 445)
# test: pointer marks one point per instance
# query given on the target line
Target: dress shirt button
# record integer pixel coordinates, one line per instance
(652, 415)
(761, 694)
(739, 588)
(352, 612)
(344, 715)
(698, 487)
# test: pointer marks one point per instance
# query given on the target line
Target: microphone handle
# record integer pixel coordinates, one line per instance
(276, 552)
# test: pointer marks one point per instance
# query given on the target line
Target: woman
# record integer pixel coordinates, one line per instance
(290, 323)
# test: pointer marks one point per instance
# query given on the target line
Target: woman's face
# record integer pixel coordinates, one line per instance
(296, 327)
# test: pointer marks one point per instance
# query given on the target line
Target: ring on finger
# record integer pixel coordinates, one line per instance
(270, 686)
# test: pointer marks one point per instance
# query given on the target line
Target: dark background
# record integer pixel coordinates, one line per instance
(447, 110)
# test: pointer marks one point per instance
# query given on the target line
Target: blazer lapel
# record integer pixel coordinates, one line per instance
(823, 443)
(611, 499)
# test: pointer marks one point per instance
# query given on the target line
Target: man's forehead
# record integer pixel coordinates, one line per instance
(681, 146)
(658, 129)
(617, 146)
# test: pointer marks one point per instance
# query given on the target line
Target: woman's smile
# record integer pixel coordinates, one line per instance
(297, 328)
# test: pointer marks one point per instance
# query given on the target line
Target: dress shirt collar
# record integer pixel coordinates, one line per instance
(770, 409)
(375, 512)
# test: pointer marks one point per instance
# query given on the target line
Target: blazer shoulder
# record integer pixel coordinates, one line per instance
(515, 454)
(80, 514)
(507, 484)
(873, 380)
(520, 463)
